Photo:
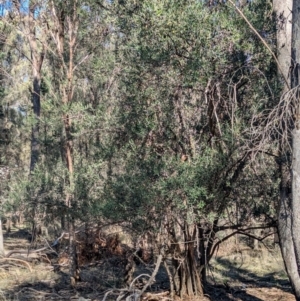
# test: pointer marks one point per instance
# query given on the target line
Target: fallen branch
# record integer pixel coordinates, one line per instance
(19, 260)
(132, 293)
(25, 251)
(163, 296)
(158, 262)
(48, 247)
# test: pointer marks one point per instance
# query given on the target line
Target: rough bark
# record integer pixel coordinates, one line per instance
(203, 254)
(283, 17)
(182, 269)
(73, 265)
(35, 98)
(296, 195)
(37, 61)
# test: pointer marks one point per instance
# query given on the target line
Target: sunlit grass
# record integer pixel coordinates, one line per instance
(246, 264)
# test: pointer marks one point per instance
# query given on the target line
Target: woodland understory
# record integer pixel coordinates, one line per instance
(146, 135)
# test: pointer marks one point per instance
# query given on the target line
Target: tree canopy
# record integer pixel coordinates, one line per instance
(149, 114)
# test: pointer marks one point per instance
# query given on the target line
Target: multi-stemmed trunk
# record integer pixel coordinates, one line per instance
(182, 266)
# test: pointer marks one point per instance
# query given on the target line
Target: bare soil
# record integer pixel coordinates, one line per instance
(230, 279)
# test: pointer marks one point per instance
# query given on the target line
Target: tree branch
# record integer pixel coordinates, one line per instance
(262, 40)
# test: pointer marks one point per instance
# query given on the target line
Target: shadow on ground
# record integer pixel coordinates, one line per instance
(246, 286)
(107, 274)
(95, 280)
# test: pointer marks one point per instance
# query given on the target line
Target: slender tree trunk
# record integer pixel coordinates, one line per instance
(37, 58)
(296, 139)
(35, 98)
(37, 50)
(202, 253)
(284, 19)
(65, 37)
(2, 251)
(73, 266)
(285, 230)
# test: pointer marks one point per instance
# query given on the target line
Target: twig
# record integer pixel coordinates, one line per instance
(136, 294)
(25, 251)
(50, 246)
(158, 262)
(263, 41)
(113, 292)
(135, 279)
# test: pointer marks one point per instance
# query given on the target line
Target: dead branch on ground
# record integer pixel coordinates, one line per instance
(18, 260)
(132, 293)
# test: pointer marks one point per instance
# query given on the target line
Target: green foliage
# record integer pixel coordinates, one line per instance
(181, 60)
(163, 96)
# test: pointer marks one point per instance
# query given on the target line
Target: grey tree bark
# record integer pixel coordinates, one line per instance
(296, 135)
(286, 214)
(283, 15)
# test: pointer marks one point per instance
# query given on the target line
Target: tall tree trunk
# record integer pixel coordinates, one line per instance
(65, 37)
(285, 229)
(37, 50)
(36, 103)
(296, 138)
(284, 21)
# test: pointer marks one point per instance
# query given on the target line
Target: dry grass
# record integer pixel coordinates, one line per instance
(245, 265)
(237, 273)
(16, 273)
(17, 276)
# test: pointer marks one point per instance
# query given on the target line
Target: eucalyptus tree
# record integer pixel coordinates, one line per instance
(286, 217)
(24, 20)
(13, 99)
(295, 56)
(73, 76)
(288, 21)
(279, 127)
(79, 36)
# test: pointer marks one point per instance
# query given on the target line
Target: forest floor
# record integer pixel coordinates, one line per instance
(234, 275)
